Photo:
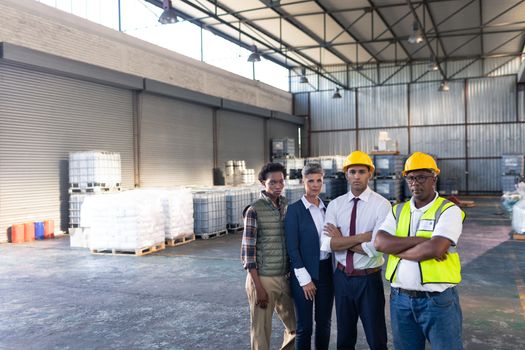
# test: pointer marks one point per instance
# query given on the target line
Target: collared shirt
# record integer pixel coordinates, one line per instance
(372, 210)
(450, 225)
(318, 214)
(249, 236)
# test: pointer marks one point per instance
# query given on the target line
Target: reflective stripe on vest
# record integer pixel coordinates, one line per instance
(431, 271)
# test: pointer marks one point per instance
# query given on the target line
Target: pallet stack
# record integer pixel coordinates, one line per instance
(293, 192)
(131, 222)
(334, 187)
(293, 167)
(90, 172)
(236, 200)
(388, 181)
(209, 211)
(177, 206)
(512, 171)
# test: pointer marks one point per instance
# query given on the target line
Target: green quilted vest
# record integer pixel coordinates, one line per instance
(272, 259)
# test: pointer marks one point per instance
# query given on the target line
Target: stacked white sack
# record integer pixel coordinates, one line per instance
(177, 205)
(124, 221)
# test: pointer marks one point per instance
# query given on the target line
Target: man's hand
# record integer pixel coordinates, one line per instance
(331, 230)
(261, 297)
(443, 257)
(309, 291)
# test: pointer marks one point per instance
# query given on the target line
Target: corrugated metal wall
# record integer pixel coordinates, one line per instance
(492, 100)
(43, 117)
(484, 175)
(239, 137)
(300, 103)
(443, 141)
(467, 128)
(333, 143)
(176, 142)
(428, 106)
(382, 106)
(332, 114)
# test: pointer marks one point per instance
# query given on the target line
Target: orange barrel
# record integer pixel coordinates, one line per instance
(29, 232)
(49, 229)
(17, 233)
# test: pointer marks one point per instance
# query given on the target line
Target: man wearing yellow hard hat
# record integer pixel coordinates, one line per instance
(423, 267)
(351, 223)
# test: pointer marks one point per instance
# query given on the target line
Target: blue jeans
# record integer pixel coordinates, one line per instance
(435, 318)
(304, 309)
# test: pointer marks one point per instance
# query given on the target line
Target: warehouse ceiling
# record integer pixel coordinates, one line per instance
(319, 33)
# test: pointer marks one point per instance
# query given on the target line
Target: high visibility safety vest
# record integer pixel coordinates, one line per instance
(431, 271)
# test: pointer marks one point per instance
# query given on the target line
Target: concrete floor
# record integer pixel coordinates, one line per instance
(192, 296)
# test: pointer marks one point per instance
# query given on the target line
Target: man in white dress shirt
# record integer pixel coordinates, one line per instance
(423, 267)
(352, 221)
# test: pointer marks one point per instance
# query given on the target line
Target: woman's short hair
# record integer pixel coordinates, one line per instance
(270, 168)
(312, 168)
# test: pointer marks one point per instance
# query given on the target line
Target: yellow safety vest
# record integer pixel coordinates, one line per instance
(431, 271)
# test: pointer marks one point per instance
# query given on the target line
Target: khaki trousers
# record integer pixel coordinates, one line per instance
(280, 300)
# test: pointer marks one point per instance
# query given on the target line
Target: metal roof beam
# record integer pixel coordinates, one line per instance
(433, 22)
(347, 31)
(271, 36)
(427, 43)
(389, 28)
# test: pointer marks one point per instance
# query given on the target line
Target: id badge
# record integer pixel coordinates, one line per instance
(426, 225)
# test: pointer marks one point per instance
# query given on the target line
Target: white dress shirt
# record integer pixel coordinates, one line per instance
(450, 225)
(318, 213)
(372, 210)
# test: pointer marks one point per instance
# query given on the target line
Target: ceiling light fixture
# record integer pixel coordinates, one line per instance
(254, 56)
(336, 93)
(303, 79)
(169, 15)
(443, 87)
(433, 64)
(416, 37)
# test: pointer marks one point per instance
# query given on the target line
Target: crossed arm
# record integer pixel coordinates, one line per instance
(353, 243)
(412, 248)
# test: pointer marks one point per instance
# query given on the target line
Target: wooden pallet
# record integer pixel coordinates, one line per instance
(137, 252)
(211, 235)
(518, 236)
(234, 228)
(173, 242)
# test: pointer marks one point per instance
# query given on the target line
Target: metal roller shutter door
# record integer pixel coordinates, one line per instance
(240, 137)
(43, 117)
(176, 142)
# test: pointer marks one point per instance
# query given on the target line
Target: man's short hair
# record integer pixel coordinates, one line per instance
(312, 168)
(271, 168)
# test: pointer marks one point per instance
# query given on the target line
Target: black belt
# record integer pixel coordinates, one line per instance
(415, 293)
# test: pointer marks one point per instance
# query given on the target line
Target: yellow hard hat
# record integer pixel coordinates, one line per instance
(420, 160)
(358, 158)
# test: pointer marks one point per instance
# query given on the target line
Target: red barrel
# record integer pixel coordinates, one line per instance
(29, 231)
(49, 229)
(17, 233)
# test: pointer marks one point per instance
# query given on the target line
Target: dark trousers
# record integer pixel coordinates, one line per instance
(360, 297)
(324, 301)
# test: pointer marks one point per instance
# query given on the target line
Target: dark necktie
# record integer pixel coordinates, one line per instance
(350, 254)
